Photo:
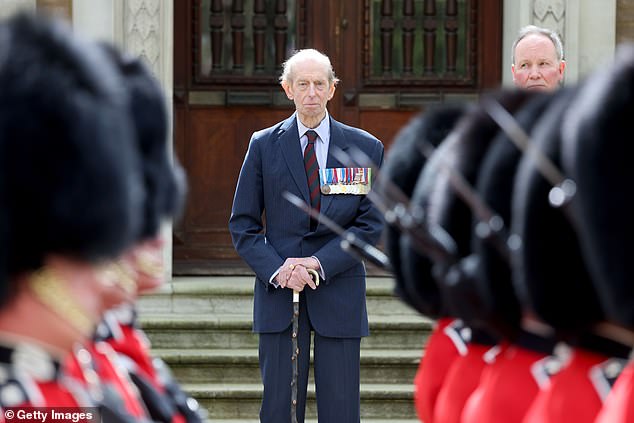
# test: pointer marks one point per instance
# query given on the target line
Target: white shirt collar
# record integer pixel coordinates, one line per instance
(323, 129)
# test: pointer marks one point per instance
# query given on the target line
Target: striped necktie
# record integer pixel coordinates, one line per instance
(312, 173)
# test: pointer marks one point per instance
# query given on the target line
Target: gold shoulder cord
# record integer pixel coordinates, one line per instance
(49, 289)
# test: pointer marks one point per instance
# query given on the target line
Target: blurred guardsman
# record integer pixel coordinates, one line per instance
(69, 206)
(549, 266)
(164, 197)
(598, 158)
(461, 154)
(412, 270)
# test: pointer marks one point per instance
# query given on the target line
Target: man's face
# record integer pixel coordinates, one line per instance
(310, 91)
(536, 66)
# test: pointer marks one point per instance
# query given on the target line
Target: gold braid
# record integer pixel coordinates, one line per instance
(50, 290)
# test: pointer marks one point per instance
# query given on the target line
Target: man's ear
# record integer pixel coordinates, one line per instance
(562, 67)
(288, 90)
(513, 71)
(331, 91)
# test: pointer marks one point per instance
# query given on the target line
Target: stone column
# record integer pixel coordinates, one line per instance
(9, 7)
(587, 29)
(143, 28)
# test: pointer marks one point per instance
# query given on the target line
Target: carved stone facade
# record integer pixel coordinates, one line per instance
(550, 14)
(145, 28)
(142, 30)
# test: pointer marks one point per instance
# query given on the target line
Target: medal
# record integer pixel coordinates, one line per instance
(345, 180)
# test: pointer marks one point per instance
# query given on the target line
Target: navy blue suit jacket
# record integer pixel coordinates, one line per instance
(274, 164)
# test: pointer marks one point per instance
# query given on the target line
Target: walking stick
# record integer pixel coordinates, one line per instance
(295, 355)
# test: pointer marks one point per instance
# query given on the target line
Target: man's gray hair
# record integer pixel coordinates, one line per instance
(307, 54)
(532, 29)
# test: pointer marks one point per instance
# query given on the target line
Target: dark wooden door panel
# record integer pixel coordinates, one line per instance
(384, 124)
(217, 139)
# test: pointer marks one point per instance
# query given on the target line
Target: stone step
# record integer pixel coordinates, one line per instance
(241, 365)
(168, 331)
(202, 327)
(242, 401)
(234, 295)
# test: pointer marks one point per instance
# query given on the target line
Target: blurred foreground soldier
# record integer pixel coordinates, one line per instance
(69, 204)
(598, 158)
(549, 266)
(537, 59)
(461, 154)
(508, 386)
(164, 197)
(286, 157)
(417, 288)
(487, 301)
(403, 165)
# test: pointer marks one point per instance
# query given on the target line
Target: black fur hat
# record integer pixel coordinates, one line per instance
(463, 152)
(549, 271)
(597, 154)
(500, 307)
(164, 178)
(71, 179)
(402, 167)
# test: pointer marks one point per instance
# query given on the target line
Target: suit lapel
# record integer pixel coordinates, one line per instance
(337, 139)
(291, 151)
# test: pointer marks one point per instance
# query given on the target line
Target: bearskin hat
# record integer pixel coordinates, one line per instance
(163, 176)
(500, 307)
(596, 155)
(548, 268)
(402, 167)
(70, 173)
(435, 193)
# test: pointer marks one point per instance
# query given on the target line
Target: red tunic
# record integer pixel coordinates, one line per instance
(507, 388)
(619, 404)
(30, 377)
(439, 353)
(461, 380)
(133, 344)
(102, 361)
(576, 393)
(162, 395)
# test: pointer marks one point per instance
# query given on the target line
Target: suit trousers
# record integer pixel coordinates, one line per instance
(336, 368)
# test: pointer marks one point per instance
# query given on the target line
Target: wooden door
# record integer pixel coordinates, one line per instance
(394, 58)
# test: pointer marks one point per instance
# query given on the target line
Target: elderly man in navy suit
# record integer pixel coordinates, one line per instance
(296, 156)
